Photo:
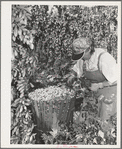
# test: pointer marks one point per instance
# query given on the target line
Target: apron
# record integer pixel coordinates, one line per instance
(107, 99)
(107, 102)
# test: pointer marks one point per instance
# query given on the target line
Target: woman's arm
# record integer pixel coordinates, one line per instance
(107, 83)
(94, 76)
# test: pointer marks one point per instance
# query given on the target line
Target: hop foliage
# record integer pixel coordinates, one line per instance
(42, 46)
(21, 123)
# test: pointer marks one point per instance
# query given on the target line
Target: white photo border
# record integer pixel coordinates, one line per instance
(6, 71)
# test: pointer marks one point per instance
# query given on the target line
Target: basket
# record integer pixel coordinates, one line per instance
(62, 105)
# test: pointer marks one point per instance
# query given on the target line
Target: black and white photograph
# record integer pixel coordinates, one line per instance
(64, 64)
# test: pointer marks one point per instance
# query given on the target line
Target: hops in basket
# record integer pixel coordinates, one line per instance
(51, 92)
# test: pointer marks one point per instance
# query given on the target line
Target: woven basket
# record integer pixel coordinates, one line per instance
(44, 110)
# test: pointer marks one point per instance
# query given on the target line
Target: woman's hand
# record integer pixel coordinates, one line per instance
(71, 79)
(95, 86)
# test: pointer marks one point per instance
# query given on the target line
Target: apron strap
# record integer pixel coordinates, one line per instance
(98, 64)
(99, 73)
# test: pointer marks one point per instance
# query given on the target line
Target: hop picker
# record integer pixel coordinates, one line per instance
(99, 67)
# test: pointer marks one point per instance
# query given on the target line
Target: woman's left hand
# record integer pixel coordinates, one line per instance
(95, 86)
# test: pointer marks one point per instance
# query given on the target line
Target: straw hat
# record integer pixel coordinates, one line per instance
(79, 47)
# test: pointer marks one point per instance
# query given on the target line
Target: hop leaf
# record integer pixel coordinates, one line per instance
(20, 14)
(20, 31)
(14, 38)
(101, 134)
(15, 31)
(15, 53)
(31, 46)
(55, 126)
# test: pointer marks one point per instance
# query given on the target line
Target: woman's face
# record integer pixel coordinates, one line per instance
(87, 55)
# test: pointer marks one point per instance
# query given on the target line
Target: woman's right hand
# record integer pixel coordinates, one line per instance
(71, 79)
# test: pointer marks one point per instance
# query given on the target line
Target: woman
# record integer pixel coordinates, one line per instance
(100, 69)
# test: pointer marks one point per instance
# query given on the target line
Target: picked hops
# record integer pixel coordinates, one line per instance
(51, 92)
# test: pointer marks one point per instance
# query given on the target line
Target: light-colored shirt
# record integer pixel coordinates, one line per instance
(107, 65)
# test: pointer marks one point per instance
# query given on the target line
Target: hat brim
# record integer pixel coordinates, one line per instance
(77, 56)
